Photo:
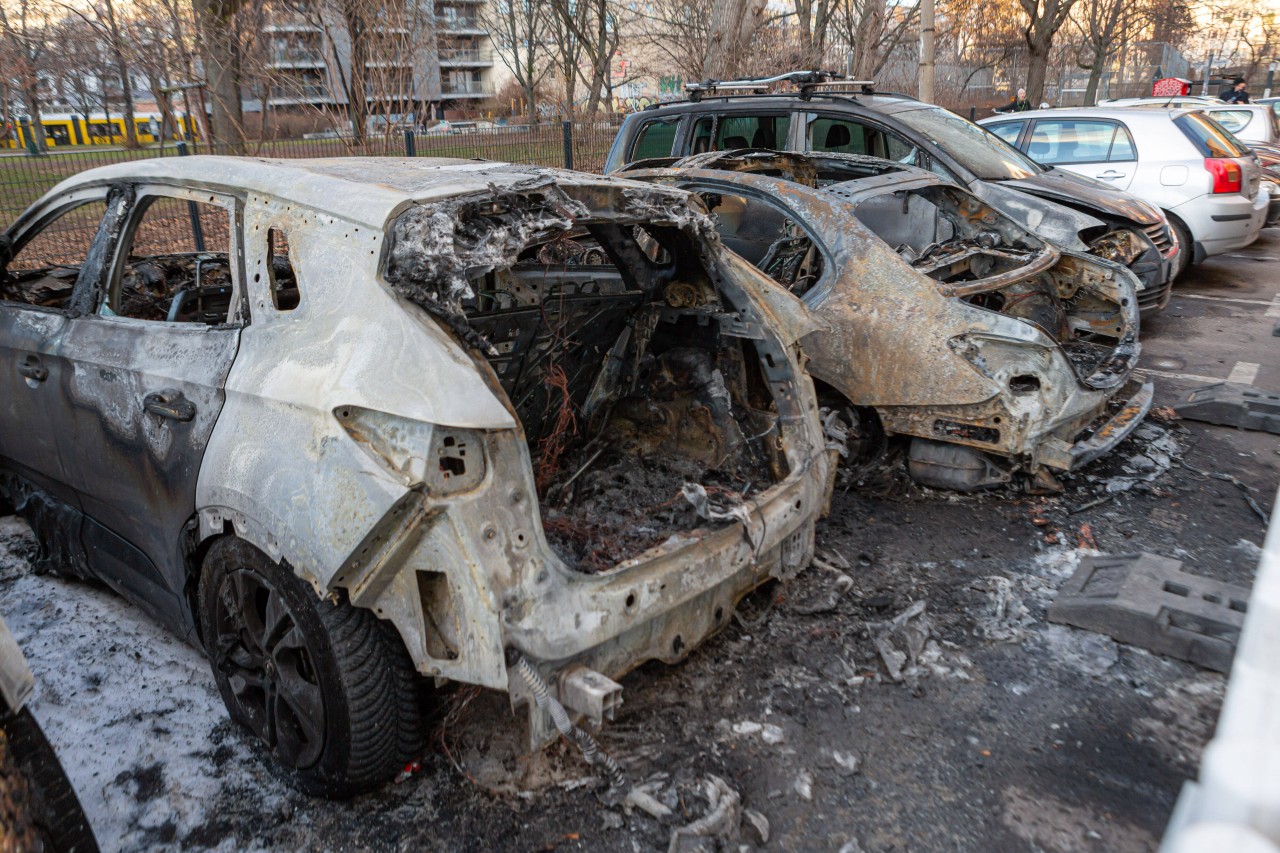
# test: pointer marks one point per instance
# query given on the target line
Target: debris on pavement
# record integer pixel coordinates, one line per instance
(901, 640)
(1149, 601)
(1232, 404)
(723, 817)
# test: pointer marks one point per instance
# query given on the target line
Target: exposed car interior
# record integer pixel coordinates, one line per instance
(632, 374)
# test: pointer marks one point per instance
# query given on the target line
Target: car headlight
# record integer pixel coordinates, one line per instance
(444, 459)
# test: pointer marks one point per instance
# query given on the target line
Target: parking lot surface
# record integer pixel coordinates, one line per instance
(1004, 733)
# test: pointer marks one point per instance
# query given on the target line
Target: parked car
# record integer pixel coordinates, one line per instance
(1253, 124)
(387, 418)
(1167, 102)
(1075, 214)
(1205, 181)
(948, 322)
(39, 810)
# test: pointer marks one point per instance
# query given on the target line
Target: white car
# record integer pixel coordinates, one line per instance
(1252, 124)
(1203, 178)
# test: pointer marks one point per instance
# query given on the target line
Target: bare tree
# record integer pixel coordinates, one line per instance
(1101, 25)
(813, 19)
(595, 27)
(220, 47)
(678, 32)
(1044, 18)
(519, 29)
(106, 20)
(733, 26)
(25, 30)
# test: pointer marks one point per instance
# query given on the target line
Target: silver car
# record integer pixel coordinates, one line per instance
(1205, 181)
(350, 422)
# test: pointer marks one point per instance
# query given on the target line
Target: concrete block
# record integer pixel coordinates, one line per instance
(1230, 404)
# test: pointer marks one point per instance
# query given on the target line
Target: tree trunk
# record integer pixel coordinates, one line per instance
(1038, 58)
(222, 73)
(734, 24)
(357, 90)
(1095, 77)
(122, 71)
(126, 101)
(32, 102)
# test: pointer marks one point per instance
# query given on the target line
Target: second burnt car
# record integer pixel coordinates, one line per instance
(831, 115)
(352, 423)
(996, 352)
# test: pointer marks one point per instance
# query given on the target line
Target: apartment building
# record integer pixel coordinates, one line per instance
(418, 53)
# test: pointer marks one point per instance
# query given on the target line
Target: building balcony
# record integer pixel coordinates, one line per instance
(465, 58)
(306, 94)
(295, 58)
(451, 90)
(292, 24)
(461, 25)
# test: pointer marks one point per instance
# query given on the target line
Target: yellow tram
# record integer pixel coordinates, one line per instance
(62, 130)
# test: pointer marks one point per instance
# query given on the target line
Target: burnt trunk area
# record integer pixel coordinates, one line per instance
(628, 395)
(629, 359)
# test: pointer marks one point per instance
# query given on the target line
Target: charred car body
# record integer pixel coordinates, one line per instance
(832, 115)
(994, 350)
(500, 425)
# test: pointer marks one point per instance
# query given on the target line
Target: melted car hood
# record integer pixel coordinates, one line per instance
(1067, 188)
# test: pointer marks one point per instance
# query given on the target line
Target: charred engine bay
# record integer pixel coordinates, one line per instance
(632, 374)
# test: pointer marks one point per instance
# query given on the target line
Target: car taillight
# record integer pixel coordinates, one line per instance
(1226, 174)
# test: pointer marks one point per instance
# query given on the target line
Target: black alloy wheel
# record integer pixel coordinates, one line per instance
(327, 687)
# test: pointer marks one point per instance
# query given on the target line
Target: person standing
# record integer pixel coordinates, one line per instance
(1237, 93)
(1019, 104)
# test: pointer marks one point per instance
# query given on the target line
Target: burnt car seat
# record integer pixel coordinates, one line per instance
(838, 138)
(733, 142)
(763, 138)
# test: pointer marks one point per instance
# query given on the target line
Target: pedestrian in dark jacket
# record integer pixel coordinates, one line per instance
(1236, 93)
(1019, 104)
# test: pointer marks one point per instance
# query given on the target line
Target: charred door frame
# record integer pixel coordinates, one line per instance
(36, 372)
(142, 398)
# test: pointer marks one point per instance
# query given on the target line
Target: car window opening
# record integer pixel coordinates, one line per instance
(633, 374)
(283, 282)
(177, 265)
(42, 271)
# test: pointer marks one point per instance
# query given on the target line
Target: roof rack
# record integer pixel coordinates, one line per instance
(810, 83)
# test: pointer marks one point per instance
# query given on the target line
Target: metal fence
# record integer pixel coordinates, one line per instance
(576, 145)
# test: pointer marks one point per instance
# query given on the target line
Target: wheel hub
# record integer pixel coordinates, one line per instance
(261, 650)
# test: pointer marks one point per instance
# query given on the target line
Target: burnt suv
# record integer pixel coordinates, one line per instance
(350, 422)
(1070, 211)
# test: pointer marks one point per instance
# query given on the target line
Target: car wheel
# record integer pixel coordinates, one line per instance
(1187, 254)
(39, 809)
(325, 686)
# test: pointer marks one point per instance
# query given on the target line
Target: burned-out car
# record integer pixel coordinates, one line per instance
(828, 114)
(948, 322)
(347, 423)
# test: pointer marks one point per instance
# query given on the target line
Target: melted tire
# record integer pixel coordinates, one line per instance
(371, 723)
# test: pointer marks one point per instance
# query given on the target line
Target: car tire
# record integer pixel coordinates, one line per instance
(326, 687)
(1187, 254)
(39, 810)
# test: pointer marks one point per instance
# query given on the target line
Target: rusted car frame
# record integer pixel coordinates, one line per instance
(471, 356)
(996, 351)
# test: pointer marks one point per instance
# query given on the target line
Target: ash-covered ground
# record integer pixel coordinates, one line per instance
(1004, 733)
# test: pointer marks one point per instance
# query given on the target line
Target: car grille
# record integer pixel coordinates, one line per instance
(1154, 297)
(1159, 234)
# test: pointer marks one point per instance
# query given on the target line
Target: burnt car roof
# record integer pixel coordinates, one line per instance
(877, 175)
(365, 190)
